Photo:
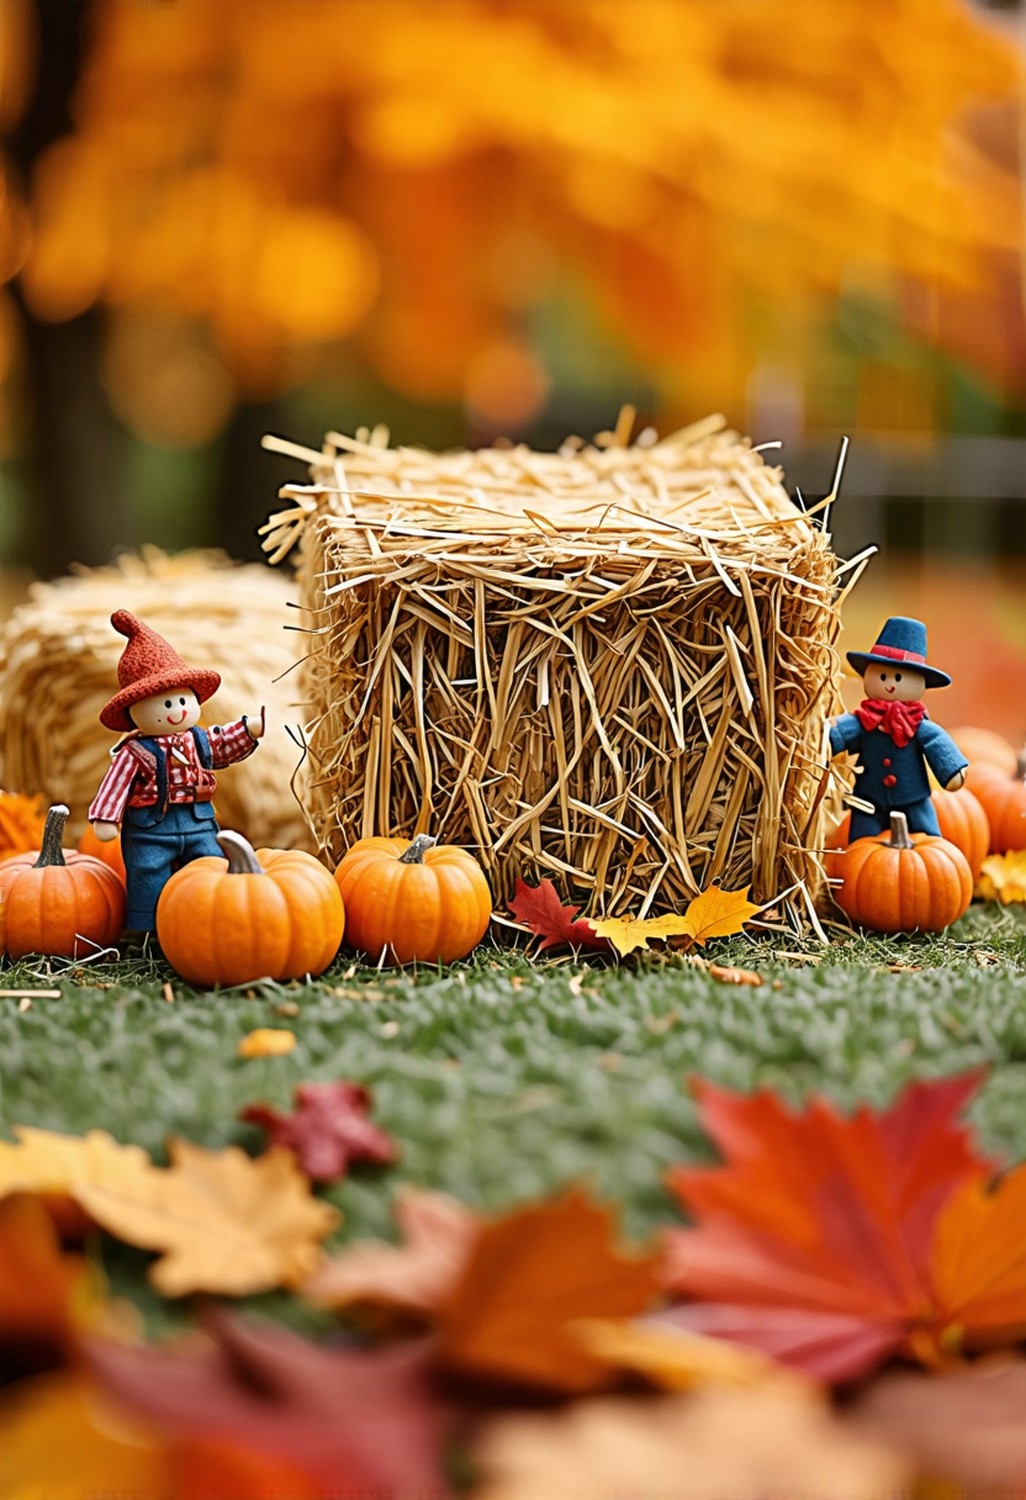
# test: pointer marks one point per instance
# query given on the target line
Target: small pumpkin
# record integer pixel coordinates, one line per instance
(413, 899)
(266, 914)
(984, 747)
(962, 820)
(109, 853)
(58, 902)
(1004, 801)
(21, 823)
(897, 882)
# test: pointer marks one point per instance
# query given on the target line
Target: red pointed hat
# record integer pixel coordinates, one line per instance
(149, 666)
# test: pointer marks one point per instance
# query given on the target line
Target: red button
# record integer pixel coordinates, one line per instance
(890, 781)
(887, 760)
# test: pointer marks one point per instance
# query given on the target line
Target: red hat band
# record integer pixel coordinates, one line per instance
(898, 655)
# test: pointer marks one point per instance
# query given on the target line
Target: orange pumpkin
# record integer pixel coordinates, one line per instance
(56, 902)
(962, 822)
(270, 914)
(21, 823)
(109, 853)
(897, 882)
(413, 899)
(984, 747)
(1004, 801)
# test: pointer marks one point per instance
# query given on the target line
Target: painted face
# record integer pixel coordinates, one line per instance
(897, 684)
(166, 713)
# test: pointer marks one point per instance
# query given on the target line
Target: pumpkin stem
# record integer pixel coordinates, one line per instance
(1020, 765)
(899, 832)
(415, 853)
(50, 852)
(241, 857)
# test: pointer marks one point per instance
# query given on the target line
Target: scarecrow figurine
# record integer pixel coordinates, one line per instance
(893, 737)
(161, 781)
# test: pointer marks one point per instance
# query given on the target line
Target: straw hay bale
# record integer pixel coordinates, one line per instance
(58, 666)
(611, 665)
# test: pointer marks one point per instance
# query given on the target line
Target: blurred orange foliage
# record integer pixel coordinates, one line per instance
(276, 179)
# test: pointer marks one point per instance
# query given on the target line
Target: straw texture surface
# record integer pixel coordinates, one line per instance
(611, 665)
(58, 666)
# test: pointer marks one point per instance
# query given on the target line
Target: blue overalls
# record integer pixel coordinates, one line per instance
(159, 839)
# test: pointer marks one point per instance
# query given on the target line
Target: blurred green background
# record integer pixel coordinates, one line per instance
(469, 219)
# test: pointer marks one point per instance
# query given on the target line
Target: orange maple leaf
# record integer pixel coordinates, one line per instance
(831, 1242)
(530, 1276)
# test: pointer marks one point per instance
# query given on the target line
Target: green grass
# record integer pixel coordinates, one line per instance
(503, 1079)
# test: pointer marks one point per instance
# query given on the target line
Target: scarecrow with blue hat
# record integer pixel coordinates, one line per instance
(892, 735)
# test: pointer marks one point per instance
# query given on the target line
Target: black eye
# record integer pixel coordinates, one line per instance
(883, 676)
(182, 700)
(897, 677)
(167, 702)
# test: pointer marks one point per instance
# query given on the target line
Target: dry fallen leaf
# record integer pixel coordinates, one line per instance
(813, 1240)
(630, 934)
(56, 1166)
(1003, 877)
(223, 1222)
(59, 1440)
(267, 1041)
(965, 1430)
(46, 1295)
(62, 1438)
(719, 913)
(730, 975)
(539, 908)
(328, 1129)
(674, 1359)
(388, 1286)
(529, 1276)
(714, 913)
(353, 1423)
(762, 1444)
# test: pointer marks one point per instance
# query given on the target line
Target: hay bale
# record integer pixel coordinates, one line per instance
(610, 665)
(58, 666)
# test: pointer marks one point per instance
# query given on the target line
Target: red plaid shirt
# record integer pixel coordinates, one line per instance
(131, 780)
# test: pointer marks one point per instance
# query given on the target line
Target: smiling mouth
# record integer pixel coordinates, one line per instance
(172, 720)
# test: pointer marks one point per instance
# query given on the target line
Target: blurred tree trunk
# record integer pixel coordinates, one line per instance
(77, 504)
(250, 478)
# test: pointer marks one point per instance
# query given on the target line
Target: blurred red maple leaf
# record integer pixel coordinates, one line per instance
(540, 909)
(328, 1130)
(831, 1242)
(360, 1424)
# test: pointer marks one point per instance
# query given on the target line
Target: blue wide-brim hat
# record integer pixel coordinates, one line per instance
(901, 640)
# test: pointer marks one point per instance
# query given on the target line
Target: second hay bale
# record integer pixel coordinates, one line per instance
(58, 666)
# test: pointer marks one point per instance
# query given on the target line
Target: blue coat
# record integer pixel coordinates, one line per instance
(893, 777)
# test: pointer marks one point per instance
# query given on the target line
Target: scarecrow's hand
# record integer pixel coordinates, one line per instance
(105, 831)
(957, 781)
(255, 723)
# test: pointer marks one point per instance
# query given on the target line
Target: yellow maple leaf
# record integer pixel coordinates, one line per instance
(1003, 877)
(51, 1164)
(629, 933)
(223, 1221)
(718, 913)
(715, 913)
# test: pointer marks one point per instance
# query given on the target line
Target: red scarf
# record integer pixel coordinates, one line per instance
(899, 720)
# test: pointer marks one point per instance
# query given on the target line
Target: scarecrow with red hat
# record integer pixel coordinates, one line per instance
(160, 784)
(893, 737)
